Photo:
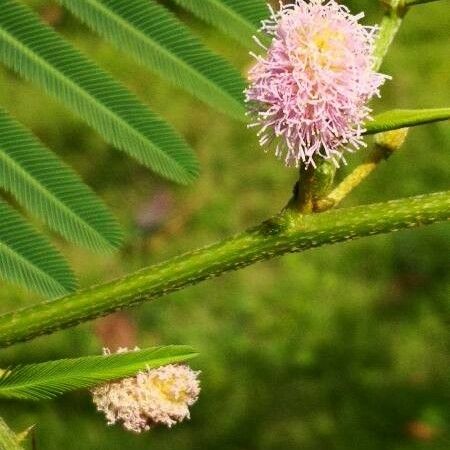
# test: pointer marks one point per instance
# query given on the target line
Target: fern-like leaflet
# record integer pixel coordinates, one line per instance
(52, 378)
(239, 19)
(42, 56)
(26, 257)
(157, 39)
(51, 190)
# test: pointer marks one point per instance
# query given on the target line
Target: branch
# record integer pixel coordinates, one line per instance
(389, 26)
(385, 145)
(288, 232)
(390, 129)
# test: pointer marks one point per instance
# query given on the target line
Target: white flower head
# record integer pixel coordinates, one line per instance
(154, 396)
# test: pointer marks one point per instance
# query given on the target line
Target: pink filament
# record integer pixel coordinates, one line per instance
(310, 91)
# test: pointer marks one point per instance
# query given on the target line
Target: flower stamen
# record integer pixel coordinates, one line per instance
(310, 91)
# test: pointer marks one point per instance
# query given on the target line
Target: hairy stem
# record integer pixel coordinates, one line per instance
(389, 27)
(286, 233)
(314, 184)
(385, 145)
(353, 180)
(303, 200)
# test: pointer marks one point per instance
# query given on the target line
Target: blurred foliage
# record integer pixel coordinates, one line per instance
(342, 348)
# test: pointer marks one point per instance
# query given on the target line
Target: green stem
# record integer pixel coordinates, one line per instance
(389, 26)
(303, 200)
(416, 2)
(286, 233)
(314, 184)
(361, 172)
(385, 145)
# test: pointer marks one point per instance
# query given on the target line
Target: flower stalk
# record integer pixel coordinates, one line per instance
(385, 145)
(288, 232)
(389, 26)
(303, 199)
(313, 185)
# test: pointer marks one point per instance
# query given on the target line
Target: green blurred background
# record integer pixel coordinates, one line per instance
(340, 348)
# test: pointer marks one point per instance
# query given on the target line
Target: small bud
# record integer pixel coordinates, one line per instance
(155, 396)
(391, 140)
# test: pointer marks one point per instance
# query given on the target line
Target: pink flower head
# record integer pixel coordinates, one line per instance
(310, 91)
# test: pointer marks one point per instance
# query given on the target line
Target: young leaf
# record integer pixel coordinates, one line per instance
(50, 379)
(238, 18)
(156, 38)
(403, 118)
(51, 190)
(42, 56)
(8, 440)
(27, 258)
